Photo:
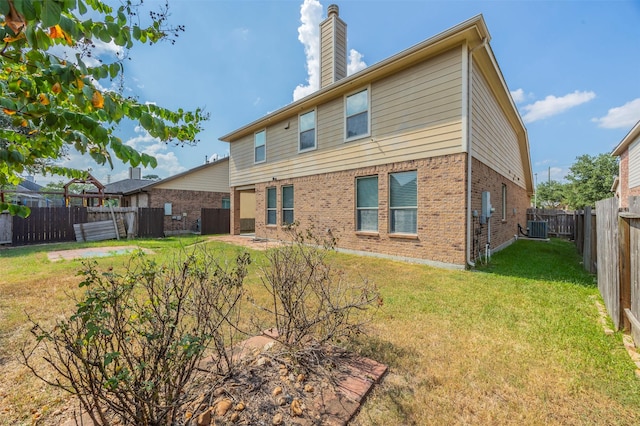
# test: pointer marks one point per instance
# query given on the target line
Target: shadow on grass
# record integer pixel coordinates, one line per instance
(556, 260)
(380, 350)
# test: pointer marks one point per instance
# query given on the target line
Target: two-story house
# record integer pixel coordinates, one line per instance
(422, 156)
(629, 152)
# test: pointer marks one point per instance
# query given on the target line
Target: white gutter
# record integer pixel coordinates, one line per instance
(470, 236)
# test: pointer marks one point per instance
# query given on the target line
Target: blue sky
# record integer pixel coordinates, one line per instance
(573, 67)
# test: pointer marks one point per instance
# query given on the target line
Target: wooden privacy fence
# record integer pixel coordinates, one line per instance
(586, 238)
(560, 223)
(47, 225)
(56, 224)
(215, 221)
(151, 223)
(618, 254)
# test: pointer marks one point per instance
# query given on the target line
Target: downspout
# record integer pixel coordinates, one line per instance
(470, 235)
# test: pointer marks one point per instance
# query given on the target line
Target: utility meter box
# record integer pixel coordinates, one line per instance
(486, 210)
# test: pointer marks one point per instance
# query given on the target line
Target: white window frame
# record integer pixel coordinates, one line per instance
(255, 161)
(168, 209)
(291, 209)
(376, 208)
(315, 130)
(346, 97)
(392, 208)
(504, 202)
(269, 209)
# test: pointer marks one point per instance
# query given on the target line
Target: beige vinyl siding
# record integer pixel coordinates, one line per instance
(340, 47)
(333, 51)
(214, 178)
(415, 114)
(634, 164)
(495, 142)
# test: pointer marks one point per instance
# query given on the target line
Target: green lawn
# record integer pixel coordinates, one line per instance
(516, 342)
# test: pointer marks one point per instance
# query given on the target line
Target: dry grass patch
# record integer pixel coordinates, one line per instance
(519, 343)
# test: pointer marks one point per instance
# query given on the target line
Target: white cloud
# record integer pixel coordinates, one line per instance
(625, 116)
(355, 62)
(168, 163)
(309, 36)
(552, 105)
(518, 95)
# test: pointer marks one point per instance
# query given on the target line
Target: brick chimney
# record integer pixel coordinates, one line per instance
(333, 47)
(135, 173)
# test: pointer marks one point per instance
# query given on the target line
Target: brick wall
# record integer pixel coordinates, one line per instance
(483, 179)
(625, 191)
(623, 184)
(327, 202)
(189, 202)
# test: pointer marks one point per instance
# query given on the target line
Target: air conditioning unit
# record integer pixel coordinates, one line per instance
(537, 228)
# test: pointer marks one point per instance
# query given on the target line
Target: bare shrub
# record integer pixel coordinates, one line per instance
(136, 338)
(312, 304)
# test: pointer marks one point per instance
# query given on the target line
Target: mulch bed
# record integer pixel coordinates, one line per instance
(267, 390)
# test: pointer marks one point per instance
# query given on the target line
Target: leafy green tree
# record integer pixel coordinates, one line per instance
(590, 179)
(50, 105)
(550, 195)
(151, 177)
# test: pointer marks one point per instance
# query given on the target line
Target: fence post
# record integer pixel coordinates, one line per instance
(586, 244)
(624, 251)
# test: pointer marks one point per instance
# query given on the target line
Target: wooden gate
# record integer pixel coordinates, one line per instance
(6, 224)
(47, 225)
(151, 222)
(215, 221)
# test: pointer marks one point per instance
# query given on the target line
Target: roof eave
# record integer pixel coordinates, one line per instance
(473, 31)
(631, 136)
(179, 175)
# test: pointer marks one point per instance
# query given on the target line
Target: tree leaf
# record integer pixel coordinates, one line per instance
(97, 100)
(51, 11)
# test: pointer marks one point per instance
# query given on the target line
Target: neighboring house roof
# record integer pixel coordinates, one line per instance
(27, 185)
(633, 134)
(474, 32)
(615, 184)
(126, 186)
(132, 186)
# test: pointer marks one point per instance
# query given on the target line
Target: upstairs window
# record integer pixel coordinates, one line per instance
(403, 202)
(260, 146)
(307, 136)
(287, 205)
(271, 206)
(357, 115)
(367, 204)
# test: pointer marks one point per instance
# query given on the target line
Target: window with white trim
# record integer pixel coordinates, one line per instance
(367, 204)
(403, 202)
(272, 206)
(504, 202)
(357, 115)
(260, 146)
(287, 205)
(307, 129)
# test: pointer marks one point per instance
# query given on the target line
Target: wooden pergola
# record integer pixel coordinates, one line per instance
(88, 180)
